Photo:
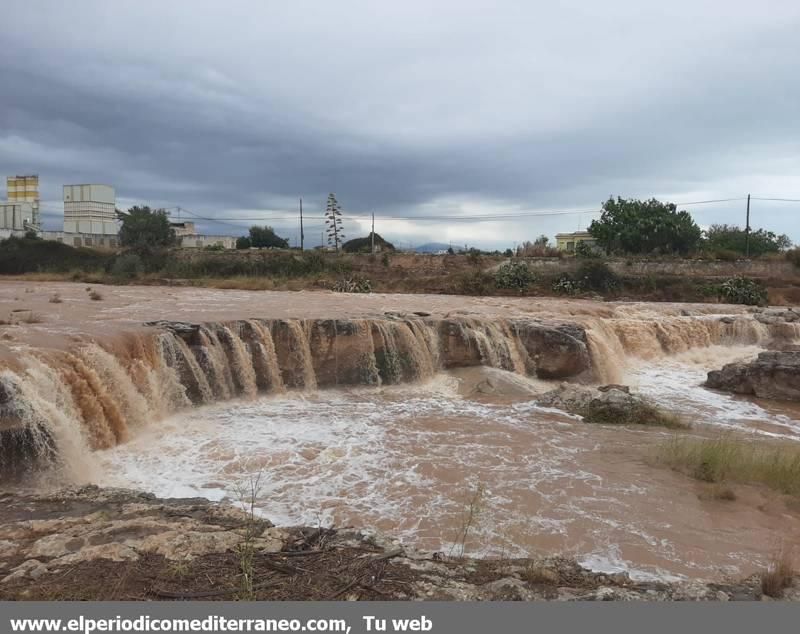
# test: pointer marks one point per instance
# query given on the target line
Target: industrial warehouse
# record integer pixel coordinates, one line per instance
(90, 217)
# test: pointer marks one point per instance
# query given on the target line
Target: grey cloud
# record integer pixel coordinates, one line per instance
(407, 110)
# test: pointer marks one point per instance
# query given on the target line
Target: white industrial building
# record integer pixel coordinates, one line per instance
(90, 209)
(16, 216)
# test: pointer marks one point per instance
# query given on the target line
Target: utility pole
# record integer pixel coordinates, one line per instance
(301, 223)
(747, 230)
(373, 233)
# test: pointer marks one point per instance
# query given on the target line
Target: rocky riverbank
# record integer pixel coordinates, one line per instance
(113, 544)
(773, 375)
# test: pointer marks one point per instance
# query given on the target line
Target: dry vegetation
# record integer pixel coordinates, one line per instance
(730, 459)
(779, 574)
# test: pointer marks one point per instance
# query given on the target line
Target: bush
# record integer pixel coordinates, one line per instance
(566, 285)
(127, 266)
(583, 250)
(514, 275)
(353, 284)
(734, 239)
(793, 255)
(596, 276)
(778, 576)
(743, 290)
(31, 255)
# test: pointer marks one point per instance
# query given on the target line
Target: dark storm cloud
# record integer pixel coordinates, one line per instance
(457, 108)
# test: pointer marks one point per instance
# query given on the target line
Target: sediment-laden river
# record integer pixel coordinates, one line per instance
(363, 411)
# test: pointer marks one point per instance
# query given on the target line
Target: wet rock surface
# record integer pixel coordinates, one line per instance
(94, 543)
(556, 351)
(773, 375)
(608, 404)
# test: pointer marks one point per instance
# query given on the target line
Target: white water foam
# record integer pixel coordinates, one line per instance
(406, 460)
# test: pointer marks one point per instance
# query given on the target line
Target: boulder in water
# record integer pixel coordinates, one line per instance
(556, 351)
(774, 375)
(609, 404)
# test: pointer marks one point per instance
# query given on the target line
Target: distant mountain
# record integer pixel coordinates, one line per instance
(432, 247)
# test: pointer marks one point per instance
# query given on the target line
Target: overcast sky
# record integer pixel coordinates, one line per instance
(416, 108)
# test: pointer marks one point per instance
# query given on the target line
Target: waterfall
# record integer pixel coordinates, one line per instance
(59, 405)
(265, 358)
(613, 341)
(300, 350)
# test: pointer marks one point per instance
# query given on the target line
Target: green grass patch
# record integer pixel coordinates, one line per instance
(729, 459)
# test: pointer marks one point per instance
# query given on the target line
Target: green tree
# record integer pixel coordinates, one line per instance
(333, 220)
(542, 242)
(733, 238)
(145, 229)
(649, 226)
(243, 242)
(265, 237)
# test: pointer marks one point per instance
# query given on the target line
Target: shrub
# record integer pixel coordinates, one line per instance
(514, 275)
(127, 266)
(743, 290)
(778, 576)
(583, 250)
(793, 255)
(566, 285)
(27, 255)
(354, 284)
(596, 276)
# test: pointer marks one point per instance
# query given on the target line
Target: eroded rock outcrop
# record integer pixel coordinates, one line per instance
(556, 351)
(112, 544)
(773, 375)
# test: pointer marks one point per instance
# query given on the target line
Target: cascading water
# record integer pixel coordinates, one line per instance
(100, 393)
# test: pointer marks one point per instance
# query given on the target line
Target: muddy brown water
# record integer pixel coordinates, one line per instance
(404, 459)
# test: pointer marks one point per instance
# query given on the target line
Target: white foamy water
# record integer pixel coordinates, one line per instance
(406, 460)
(677, 384)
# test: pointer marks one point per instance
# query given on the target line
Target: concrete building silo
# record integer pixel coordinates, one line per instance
(90, 209)
(16, 216)
(24, 190)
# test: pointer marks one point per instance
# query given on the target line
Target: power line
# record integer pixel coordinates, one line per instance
(462, 217)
